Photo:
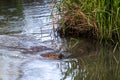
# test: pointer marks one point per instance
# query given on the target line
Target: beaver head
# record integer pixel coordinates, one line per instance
(52, 56)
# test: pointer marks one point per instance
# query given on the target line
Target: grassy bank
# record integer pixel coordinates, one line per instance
(99, 19)
(90, 17)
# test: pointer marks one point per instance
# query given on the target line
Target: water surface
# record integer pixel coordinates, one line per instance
(26, 23)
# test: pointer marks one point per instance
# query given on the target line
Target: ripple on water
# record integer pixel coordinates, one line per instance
(40, 70)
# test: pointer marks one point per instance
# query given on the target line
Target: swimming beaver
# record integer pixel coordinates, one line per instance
(42, 50)
(53, 56)
(35, 49)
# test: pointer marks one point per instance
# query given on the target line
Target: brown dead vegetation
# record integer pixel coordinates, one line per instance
(75, 22)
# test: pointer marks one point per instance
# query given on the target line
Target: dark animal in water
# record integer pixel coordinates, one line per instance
(52, 54)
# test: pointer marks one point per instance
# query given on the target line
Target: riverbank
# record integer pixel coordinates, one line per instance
(92, 19)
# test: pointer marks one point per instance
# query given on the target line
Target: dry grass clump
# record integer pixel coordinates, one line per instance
(75, 22)
(90, 18)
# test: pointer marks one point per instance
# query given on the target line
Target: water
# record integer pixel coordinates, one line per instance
(26, 23)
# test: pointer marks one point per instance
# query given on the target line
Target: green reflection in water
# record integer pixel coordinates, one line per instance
(11, 8)
(11, 16)
(105, 65)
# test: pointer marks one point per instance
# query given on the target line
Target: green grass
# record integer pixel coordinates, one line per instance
(104, 14)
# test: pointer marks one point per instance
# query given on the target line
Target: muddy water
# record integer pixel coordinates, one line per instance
(27, 23)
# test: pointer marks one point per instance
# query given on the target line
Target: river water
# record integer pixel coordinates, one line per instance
(26, 23)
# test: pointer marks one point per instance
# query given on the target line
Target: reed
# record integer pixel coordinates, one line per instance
(102, 15)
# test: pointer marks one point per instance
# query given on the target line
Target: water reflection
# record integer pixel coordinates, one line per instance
(40, 70)
(97, 67)
(24, 16)
(74, 48)
(9, 67)
(35, 2)
(26, 23)
(11, 14)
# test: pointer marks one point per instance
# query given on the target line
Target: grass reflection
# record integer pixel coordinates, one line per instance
(103, 66)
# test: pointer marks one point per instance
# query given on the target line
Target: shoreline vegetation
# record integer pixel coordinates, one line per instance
(93, 19)
(97, 20)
